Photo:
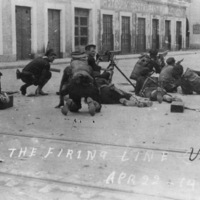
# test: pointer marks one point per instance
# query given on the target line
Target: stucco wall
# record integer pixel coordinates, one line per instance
(149, 9)
(194, 19)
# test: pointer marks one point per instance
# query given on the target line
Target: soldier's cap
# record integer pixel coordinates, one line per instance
(87, 47)
(170, 60)
(50, 52)
(153, 52)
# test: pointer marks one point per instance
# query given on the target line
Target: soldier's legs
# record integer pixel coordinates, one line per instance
(72, 105)
(111, 95)
(28, 79)
(139, 84)
(63, 92)
(41, 81)
(171, 88)
(75, 104)
(65, 78)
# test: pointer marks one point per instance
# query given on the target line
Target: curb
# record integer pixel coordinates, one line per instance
(118, 57)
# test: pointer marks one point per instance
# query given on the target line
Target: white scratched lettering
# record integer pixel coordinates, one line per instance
(59, 154)
(103, 154)
(33, 152)
(137, 156)
(148, 156)
(121, 177)
(79, 154)
(111, 177)
(22, 152)
(164, 156)
(69, 153)
(12, 152)
(91, 155)
(124, 159)
(131, 179)
(49, 152)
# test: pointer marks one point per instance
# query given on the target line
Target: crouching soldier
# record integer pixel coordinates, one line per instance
(170, 76)
(77, 83)
(144, 68)
(190, 81)
(37, 73)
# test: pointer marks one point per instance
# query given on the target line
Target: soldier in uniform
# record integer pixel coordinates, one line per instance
(78, 82)
(170, 76)
(107, 73)
(37, 73)
(143, 69)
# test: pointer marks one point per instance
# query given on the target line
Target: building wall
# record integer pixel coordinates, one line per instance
(148, 9)
(6, 31)
(193, 13)
(134, 9)
(39, 25)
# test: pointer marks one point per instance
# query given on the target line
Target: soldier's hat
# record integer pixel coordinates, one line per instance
(50, 52)
(170, 60)
(153, 52)
(88, 46)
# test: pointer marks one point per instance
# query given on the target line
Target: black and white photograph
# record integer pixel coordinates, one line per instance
(99, 99)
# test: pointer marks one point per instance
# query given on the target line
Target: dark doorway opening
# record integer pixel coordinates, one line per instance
(167, 43)
(23, 32)
(155, 34)
(126, 36)
(54, 31)
(178, 35)
(141, 37)
(107, 37)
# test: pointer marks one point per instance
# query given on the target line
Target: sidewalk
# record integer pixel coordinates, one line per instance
(21, 64)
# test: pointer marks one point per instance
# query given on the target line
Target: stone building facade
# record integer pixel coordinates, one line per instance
(29, 27)
(139, 25)
(193, 14)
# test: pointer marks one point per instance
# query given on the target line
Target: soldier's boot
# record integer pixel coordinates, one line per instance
(145, 104)
(18, 74)
(68, 103)
(39, 91)
(127, 102)
(24, 87)
(167, 98)
(159, 94)
(135, 102)
(92, 106)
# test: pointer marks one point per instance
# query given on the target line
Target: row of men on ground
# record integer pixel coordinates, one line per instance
(83, 79)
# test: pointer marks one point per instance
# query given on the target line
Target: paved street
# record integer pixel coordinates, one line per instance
(121, 153)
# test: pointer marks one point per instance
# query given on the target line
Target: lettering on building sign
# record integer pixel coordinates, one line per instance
(178, 12)
(196, 29)
(138, 6)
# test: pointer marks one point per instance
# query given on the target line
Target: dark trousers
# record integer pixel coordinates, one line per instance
(105, 75)
(30, 79)
(112, 95)
(169, 87)
(139, 84)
